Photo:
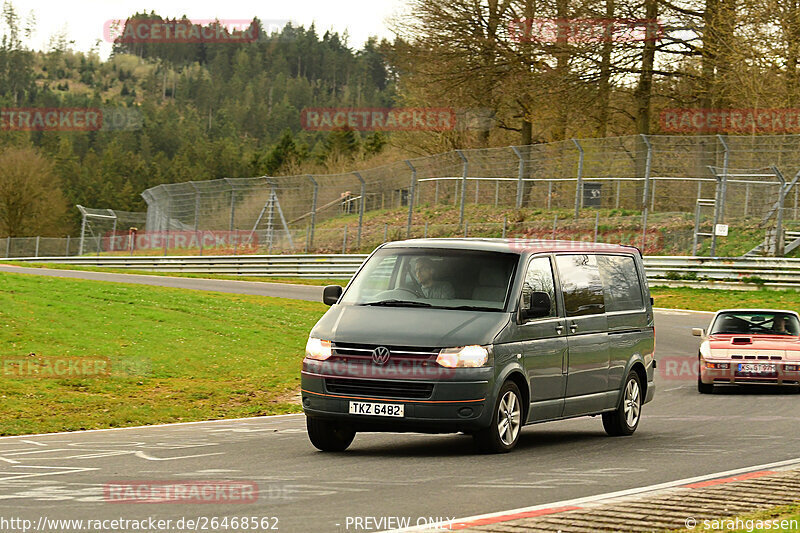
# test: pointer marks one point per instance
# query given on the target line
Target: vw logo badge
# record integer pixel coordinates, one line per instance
(380, 355)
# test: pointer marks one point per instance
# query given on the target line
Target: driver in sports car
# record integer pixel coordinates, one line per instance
(424, 270)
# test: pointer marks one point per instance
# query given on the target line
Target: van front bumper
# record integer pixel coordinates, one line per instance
(454, 405)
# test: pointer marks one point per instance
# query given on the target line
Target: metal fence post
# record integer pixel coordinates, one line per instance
(505, 222)
(555, 224)
(579, 183)
(717, 210)
(596, 224)
(313, 212)
(113, 231)
(196, 205)
(169, 215)
(647, 166)
(385, 232)
(520, 176)
(8, 246)
(724, 191)
(465, 168)
(411, 197)
(233, 205)
(83, 229)
(779, 215)
(67, 252)
(360, 208)
(344, 240)
(36, 252)
(644, 228)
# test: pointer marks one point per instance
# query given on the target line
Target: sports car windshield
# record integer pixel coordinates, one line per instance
(436, 278)
(756, 323)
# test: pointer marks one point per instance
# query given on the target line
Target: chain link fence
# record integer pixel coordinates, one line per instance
(711, 179)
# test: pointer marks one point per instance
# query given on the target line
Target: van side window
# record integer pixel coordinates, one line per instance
(539, 277)
(581, 285)
(623, 291)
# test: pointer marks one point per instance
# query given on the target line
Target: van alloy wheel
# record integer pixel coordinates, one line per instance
(503, 433)
(509, 416)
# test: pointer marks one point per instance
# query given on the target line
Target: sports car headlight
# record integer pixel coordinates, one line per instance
(464, 356)
(318, 349)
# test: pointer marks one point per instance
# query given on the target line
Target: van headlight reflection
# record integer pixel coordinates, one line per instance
(463, 356)
(318, 349)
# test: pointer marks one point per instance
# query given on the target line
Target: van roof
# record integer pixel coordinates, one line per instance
(518, 246)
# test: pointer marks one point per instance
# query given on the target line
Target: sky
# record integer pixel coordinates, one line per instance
(84, 20)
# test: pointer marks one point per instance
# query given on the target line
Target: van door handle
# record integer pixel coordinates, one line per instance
(573, 328)
(559, 329)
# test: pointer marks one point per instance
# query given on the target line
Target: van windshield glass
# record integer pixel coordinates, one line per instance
(436, 278)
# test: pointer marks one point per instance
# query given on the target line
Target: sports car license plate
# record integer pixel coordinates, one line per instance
(377, 409)
(756, 368)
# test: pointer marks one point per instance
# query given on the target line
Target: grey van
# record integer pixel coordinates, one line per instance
(481, 336)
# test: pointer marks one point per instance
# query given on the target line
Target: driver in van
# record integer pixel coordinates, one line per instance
(424, 270)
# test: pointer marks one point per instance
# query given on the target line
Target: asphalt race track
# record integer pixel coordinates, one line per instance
(682, 435)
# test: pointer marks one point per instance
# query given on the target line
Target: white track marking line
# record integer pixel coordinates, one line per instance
(607, 496)
(175, 424)
(143, 455)
(683, 310)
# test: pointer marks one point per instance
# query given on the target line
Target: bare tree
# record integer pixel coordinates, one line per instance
(31, 202)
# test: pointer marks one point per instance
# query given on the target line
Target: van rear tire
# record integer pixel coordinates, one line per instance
(624, 420)
(328, 435)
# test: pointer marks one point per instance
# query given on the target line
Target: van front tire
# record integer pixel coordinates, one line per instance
(503, 433)
(625, 418)
(328, 435)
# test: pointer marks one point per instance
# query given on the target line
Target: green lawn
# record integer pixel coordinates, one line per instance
(715, 299)
(176, 355)
(266, 279)
(182, 355)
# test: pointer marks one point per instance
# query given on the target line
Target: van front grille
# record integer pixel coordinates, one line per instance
(379, 389)
(364, 351)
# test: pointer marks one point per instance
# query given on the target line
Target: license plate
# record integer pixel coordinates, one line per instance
(756, 368)
(377, 409)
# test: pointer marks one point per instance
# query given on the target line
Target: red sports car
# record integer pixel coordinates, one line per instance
(749, 346)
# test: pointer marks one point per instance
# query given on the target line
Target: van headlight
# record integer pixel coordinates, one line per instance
(463, 356)
(318, 349)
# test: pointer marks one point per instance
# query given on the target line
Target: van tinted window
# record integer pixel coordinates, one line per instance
(623, 291)
(581, 285)
(539, 277)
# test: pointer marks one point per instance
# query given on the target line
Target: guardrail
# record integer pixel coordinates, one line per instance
(676, 270)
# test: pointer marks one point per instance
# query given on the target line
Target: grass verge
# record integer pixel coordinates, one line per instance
(716, 299)
(264, 279)
(176, 355)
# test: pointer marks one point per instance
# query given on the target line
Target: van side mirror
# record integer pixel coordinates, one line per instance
(537, 306)
(698, 332)
(331, 294)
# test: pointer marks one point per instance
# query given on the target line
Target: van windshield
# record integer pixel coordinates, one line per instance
(437, 278)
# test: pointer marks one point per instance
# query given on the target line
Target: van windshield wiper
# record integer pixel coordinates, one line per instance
(469, 308)
(398, 303)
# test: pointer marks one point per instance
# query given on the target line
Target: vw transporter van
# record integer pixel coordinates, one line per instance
(481, 336)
